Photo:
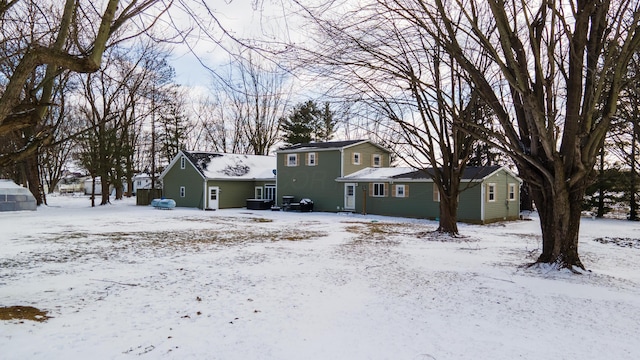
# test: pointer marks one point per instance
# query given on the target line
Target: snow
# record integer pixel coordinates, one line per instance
(9, 184)
(123, 281)
(235, 166)
(370, 173)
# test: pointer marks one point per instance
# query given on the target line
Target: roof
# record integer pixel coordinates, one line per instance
(11, 188)
(328, 145)
(221, 166)
(372, 173)
(470, 173)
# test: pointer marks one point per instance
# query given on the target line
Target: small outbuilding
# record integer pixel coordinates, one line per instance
(14, 197)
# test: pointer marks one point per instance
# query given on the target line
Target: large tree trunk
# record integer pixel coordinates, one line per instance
(448, 214)
(559, 213)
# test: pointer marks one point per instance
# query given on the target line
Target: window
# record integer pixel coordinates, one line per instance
(512, 192)
(270, 192)
(401, 191)
(292, 160)
(378, 190)
(356, 159)
(376, 160)
(311, 159)
(491, 192)
(258, 193)
(183, 191)
(436, 193)
(139, 182)
(183, 162)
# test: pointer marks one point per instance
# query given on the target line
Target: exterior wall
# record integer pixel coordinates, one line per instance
(470, 202)
(314, 182)
(188, 177)
(233, 194)
(418, 204)
(366, 152)
(501, 208)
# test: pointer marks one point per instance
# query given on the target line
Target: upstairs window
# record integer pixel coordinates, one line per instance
(355, 159)
(376, 160)
(183, 162)
(183, 191)
(292, 160)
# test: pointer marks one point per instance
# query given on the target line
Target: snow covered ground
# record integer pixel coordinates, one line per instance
(123, 282)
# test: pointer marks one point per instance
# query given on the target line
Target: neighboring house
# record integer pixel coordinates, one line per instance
(141, 181)
(14, 197)
(310, 171)
(208, 180)
(489, 194)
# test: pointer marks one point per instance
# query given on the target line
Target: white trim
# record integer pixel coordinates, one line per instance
(404, 191)
(482, 201)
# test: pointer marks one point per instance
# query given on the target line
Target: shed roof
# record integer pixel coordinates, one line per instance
(405, 173)
(222, 166)
(469, 173)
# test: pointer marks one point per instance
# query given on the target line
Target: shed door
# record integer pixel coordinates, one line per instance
(213, 197)
(349, 196)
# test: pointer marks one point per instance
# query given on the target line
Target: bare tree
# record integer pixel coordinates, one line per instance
(547, 88)
(418, 97)
(257, 94)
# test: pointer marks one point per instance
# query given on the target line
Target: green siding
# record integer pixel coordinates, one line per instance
(314, 182)
(501, 209)
(233, 194)
(470, 202)
(366, 151)
(188, 177)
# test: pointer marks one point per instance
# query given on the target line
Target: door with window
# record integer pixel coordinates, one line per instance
(214, 192)
(270, 192)
(349, 196)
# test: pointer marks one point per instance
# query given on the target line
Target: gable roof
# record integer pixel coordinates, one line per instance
(328, 145)
(222, 166)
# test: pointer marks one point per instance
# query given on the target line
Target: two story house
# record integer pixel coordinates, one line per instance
(310, 171)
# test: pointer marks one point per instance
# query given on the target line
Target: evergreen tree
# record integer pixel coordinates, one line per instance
(308, 123)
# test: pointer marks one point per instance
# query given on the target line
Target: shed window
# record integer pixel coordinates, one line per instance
(183, 191)
(491, 192)
(292, 160)
(182, 162)
(376, 160)
(356, 158)
(436, 193)
(512, 192)
(312, 159)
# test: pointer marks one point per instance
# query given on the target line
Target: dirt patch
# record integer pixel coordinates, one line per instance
(622, 242)
(23, 313)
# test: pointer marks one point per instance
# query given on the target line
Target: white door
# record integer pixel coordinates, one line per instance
(213, 197)
(350, 196)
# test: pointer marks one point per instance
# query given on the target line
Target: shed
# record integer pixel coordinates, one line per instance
(14, 197)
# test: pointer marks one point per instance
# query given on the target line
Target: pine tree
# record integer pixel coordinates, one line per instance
(308, 123)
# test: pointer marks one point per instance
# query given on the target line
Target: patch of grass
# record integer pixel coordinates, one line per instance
(621, 242)
(262, 220)
(23, 313)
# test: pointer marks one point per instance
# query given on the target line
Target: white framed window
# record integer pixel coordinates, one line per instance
(378, 190)
(312, 159)
(270, 192)
(376, 160)
(491, 192)
(139, 182)
(355, 159)
(258, 193)
(183, 191)
(292, 159)
(436, 193)
(512, 192)
(401, 191)
(183, 162)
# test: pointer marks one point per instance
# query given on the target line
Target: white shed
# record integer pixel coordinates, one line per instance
(15, 198)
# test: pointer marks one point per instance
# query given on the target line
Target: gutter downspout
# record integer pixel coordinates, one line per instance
(204, 195)
(482, 197)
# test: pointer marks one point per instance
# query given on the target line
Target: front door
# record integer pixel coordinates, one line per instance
(213, 197)
(350, 196)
